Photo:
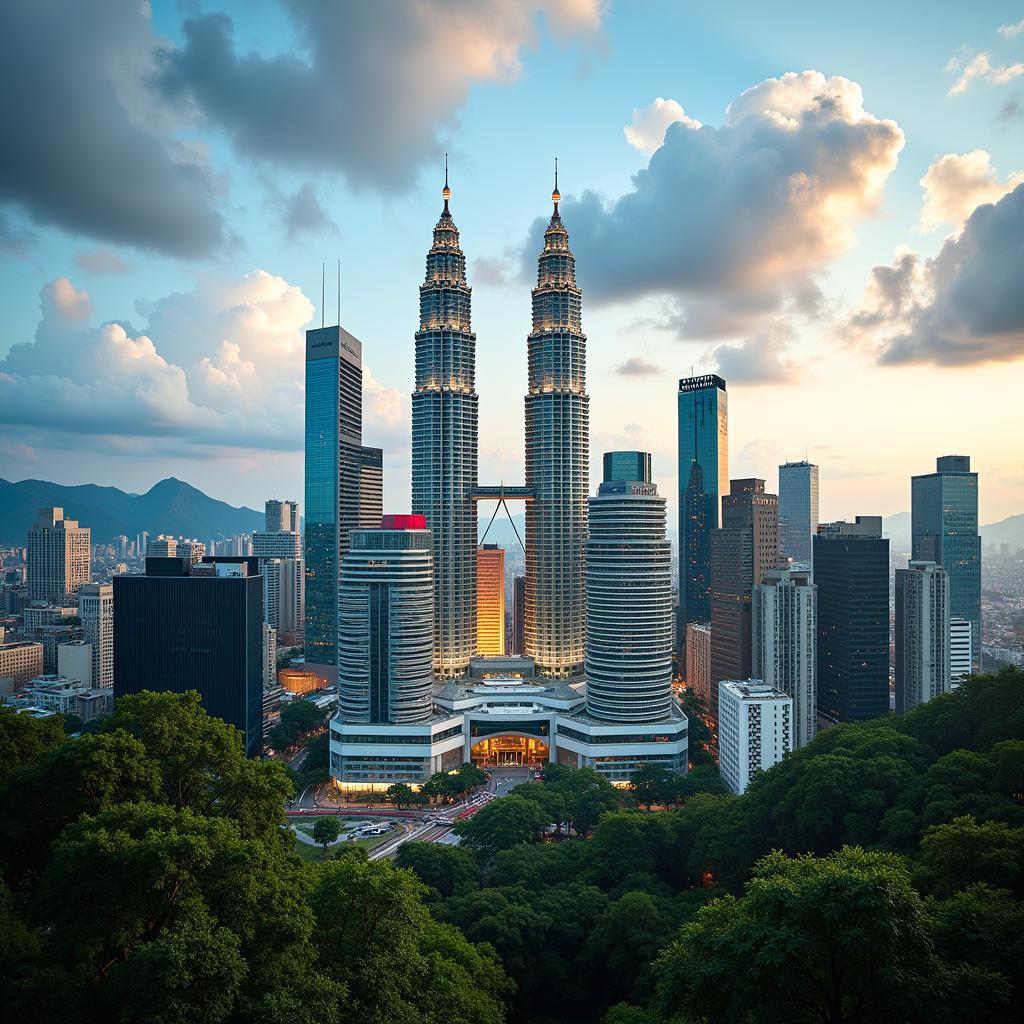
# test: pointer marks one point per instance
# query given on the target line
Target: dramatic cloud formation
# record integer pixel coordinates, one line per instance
(373, 86)
(956, 184)
(638, 366)
(301, 213)
(964, 306)
(979, 68)
(235, 378)
(733, 223)
(101, 261)
(105, 166)
(647, 132)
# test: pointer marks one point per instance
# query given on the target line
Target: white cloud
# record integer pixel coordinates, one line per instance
(963, 307)
(979, 68)
(638, 366)
(647, 130)
(1012, 30)
(761, 359)
(956, 184)
(221, 365)
(734, 223)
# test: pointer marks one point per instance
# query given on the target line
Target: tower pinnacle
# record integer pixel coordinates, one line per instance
(446, 192)
(556, 195)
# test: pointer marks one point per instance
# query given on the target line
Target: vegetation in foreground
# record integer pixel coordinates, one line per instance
(877, 875)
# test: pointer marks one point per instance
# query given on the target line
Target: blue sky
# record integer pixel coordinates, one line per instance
(782, 244)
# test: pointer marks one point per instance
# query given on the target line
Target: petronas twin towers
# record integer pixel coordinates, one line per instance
(445, 410)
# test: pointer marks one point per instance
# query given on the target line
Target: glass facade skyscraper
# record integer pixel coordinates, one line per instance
(944, 529)
(798, 510)
(444, 443)
(703, 408)
(343, 482)
(557, 462)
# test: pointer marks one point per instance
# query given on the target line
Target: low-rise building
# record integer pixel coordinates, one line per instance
(19, 663)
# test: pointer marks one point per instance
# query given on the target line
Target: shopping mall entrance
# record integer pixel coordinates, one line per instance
(510, 752)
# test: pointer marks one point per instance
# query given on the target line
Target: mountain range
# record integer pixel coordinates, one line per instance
(170, 506)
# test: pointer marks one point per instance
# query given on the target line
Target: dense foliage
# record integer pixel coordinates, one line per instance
(877, 875)
(147, 878)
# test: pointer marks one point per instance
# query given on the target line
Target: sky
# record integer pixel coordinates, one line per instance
(822, 203)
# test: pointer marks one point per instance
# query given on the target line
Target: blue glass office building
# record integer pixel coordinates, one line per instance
(343, 482)
(703, 477)
(944, 529)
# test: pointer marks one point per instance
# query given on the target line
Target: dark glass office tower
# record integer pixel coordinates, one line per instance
(798, 510)
(195, 627)
(703, 407)
(742, 552)
(627, 466)
(944, 529)
(343, 482)
(851, 569)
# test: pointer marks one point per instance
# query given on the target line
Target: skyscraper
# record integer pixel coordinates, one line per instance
(490, 599)
(342, 482)
(944, 529)
(851, 570)
(698, 660)
(922, 634)
(195, 627)
(284, 582)
(798, 510)
(444, 443)
(385, 625)
(959, 650)
(742, 552)
(518, 614)
(58, 557)
(557, 461)
(785, 644)
(629, 599)
(96, 610)
(703, 408)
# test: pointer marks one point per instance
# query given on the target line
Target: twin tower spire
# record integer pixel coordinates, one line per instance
(445, 415)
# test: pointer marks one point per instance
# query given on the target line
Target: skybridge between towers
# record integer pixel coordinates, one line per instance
(502, 494)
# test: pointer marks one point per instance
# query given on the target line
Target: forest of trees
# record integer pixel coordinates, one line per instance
(876, 875)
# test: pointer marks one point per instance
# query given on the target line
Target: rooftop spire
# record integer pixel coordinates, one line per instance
(556, 195)
(446, 192)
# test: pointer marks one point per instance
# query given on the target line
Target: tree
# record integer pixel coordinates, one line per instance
(23, 737)
(501, 824)
(843, 938)
(401, 794)
(446, 870)
(548, 798)
(964, 851)
(651, 784)
(588, 795)
(326, 831)
(301, 715)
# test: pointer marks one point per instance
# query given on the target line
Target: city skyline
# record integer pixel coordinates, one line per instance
(223, 326)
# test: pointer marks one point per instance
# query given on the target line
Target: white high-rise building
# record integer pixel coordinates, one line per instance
(629, 600)
(74, 661)
(58, 557)
(283, 582)
(385, 624)
(96, 610)
(960, 651)
(798, 510)
(784, 650)
(922, 634)
(269, 657)
(755, 730)
(698, 660)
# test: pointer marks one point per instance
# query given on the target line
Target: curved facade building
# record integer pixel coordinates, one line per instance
(629, 604)
(557, 462)
(385, 621)
(444, 443)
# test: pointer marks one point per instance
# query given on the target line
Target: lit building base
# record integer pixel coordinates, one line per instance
(501, 714)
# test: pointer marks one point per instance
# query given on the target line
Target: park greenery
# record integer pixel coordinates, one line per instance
(876, 875)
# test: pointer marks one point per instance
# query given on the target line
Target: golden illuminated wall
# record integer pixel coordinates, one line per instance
(298, 681)
(490, 599)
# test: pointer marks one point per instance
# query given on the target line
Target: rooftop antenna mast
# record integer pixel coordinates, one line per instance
(339, 292)
(323, 292)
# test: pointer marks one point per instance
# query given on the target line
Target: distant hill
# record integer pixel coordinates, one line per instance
(501, 531)
(170, 506)
(1006, 531)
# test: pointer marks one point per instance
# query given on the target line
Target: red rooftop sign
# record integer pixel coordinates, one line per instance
(403, 523)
